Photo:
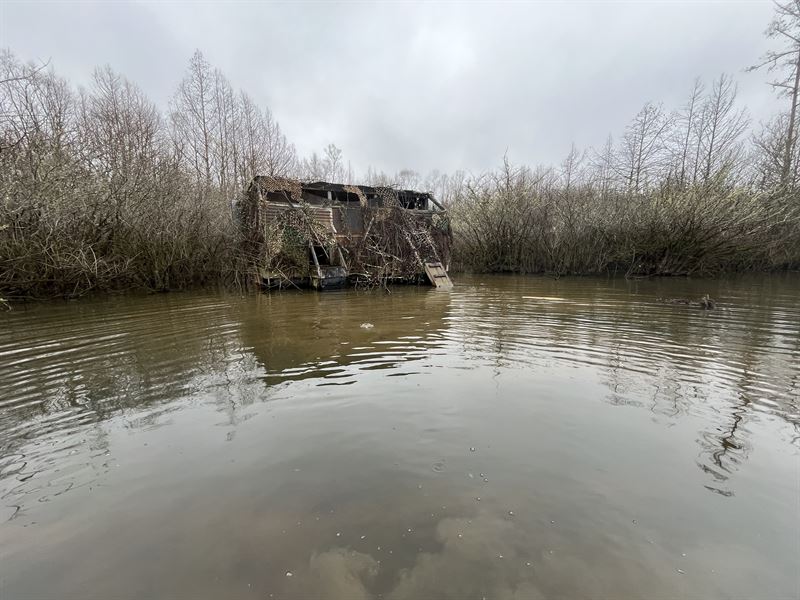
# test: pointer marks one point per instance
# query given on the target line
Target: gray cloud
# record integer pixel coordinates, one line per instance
(468, 565)
(417, 85)
(487, 556)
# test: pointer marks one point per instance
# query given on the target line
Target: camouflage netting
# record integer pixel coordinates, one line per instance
(275, 243)
(392, 244)
(287, 240)
(292, 188)
(396, 241)
(354, 189)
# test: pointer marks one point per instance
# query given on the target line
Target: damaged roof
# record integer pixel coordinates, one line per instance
(325, 186)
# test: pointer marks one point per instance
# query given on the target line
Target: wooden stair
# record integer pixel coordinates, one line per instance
(438, 276)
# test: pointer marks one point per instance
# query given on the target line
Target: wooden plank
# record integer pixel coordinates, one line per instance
(438, 276)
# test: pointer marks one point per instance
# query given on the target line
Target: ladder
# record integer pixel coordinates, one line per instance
(438, 276)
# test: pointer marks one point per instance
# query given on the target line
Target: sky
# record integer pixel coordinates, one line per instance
(433, 85)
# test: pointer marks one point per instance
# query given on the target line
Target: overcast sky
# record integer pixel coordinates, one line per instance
(417, 85)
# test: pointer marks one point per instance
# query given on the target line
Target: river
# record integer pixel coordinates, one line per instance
(516, 437)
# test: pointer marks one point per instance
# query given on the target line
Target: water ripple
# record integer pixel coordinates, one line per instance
(64, 367)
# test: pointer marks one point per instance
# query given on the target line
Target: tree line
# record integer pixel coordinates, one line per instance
(100, 189)
(698, 189)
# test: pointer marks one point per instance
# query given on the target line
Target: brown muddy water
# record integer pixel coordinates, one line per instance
(517, 437)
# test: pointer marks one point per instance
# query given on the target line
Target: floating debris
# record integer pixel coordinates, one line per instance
(367, 326)
(288, 574)
(706, 302)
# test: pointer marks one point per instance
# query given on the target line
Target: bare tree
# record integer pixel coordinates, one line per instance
(193, 117)
(722, 129)
(280, 157)
(251, 141)
(37, 110)
(643, 145)
(313, 168)
(603, 167)
(377, 178)
(768, 155)
(686, 133)
(333, 162)
(785, 62)
(407, 179)
(571, 170)
(119, 128)
(225, 146)
(15, 79)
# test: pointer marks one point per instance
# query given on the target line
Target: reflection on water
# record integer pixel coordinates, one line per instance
(514, 438)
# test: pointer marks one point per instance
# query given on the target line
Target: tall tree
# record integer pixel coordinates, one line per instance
(642, 153)
(685, 134)
(193, 117)
(225, 145)
(119, 128)
(785, 62)
(280, 156)
(723, 128)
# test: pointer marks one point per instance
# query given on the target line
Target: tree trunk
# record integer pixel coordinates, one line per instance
(787, 156)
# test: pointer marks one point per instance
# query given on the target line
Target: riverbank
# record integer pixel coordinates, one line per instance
(506, 225)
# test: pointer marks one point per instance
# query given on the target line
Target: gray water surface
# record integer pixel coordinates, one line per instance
(518, 437)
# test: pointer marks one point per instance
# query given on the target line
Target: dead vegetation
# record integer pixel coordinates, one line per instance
(518, 220)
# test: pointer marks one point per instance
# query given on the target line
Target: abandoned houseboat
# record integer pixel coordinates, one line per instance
(325, 235)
